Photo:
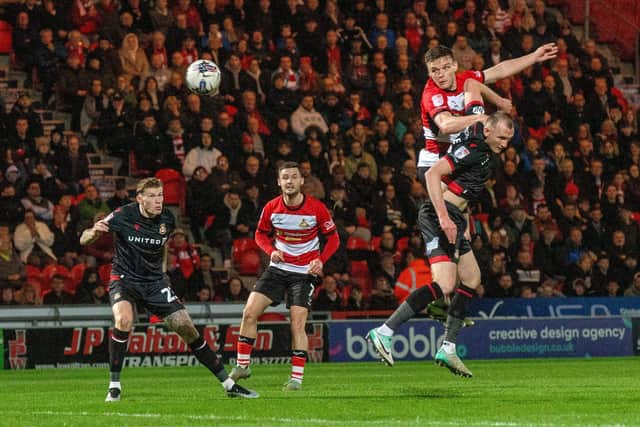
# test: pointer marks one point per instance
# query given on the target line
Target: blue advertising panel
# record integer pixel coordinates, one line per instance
(488, 308)
(490, 339)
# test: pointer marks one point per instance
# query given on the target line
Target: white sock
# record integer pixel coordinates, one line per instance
(385, 330)
(228, 383)
(449, 347)
(115, 384)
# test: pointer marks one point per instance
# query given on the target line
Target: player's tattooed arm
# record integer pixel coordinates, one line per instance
(92, 234)
(180, 322)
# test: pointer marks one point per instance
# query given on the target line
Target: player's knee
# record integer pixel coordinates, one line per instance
(446, 284)
(124, 323)
(188, 333)
(249, 315)
(298, 326)
(471, 279)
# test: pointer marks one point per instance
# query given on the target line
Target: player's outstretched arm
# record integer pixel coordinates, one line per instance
(92, 234)
(448, 123)
(433, 178)
(514, 66)
(503, 104)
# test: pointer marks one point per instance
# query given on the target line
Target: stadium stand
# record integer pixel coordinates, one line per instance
(570, 181)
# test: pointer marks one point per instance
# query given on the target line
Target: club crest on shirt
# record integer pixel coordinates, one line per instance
(461, 152)
(163, 229)
(303, 224)
(437, 100)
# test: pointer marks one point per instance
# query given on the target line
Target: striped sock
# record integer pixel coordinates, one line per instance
(298, 359)
(245, 345)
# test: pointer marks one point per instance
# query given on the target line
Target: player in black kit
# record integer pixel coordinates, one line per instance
(138, 274)
(455, 180)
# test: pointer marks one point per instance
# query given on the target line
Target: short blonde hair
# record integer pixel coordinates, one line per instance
(148, 183)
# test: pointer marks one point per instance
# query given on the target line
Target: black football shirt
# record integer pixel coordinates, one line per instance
(472, 162)
(139, 243)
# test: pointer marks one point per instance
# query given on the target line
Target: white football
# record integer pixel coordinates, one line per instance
(203, 77)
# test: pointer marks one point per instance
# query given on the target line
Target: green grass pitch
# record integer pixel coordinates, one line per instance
(505, 393)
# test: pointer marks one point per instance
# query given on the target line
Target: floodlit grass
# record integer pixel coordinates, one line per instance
(502, 393)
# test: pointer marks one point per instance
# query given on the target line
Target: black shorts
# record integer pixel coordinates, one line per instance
(277, 284)
(157, 297)
(438, 248)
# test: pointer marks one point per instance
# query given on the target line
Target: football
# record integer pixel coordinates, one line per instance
(203, 77)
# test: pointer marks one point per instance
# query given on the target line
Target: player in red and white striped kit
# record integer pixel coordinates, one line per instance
(294, 220)
(444, 113)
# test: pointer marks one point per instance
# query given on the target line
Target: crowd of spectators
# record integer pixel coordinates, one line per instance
(336, 86)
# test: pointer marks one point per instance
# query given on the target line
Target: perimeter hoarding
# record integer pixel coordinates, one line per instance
(489, 308)
(490, 339)
(152, 345)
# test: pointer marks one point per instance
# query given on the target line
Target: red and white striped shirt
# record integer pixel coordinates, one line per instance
(296, 232)
(435, 101)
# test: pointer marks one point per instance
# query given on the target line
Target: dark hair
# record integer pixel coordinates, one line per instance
(437, 53)
(288, 165)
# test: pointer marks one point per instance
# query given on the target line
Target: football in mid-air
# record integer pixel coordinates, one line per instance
(203, 77)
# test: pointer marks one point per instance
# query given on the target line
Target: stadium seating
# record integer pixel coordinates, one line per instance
(356, 243)
(5, 37)
(77, 272)
(249, 264)
(104, 271)
(623, 15)
(133, 167)
(245, 256)
(359, 271)
(174, 188)
(57, 270)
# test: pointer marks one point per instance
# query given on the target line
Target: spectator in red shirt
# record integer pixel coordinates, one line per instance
(187, 258)
(191, 12)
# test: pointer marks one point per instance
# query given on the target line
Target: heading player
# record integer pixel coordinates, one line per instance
(295, 220)
(464, 172)
(138, 275)
(443, 108)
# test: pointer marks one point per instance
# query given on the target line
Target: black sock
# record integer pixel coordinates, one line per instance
(246, 340)
(208, 358)
(419, 299)
(415, 303)
(457, 312)
(117, 351)
(460, 301)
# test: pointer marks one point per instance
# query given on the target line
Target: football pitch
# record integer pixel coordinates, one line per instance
(508, 393)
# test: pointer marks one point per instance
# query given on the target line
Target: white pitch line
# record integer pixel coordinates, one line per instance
(417, 421)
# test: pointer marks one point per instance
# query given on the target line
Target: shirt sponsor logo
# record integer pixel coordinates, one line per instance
(437, 100)
(303, 224)
(461, 152)
(456, 103)
(147, 240)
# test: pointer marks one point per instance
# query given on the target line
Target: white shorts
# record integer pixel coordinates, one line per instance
(426, 159)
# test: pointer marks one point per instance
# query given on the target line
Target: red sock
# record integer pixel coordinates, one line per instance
(245, 345)
(298, 359)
